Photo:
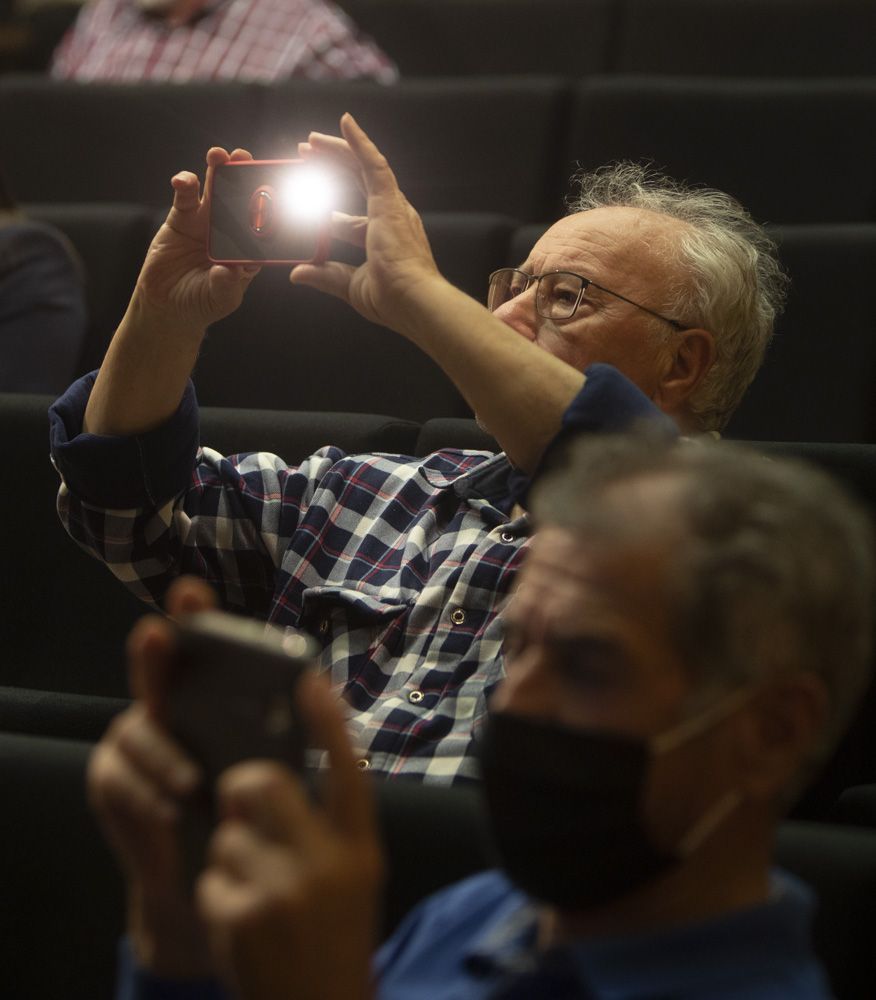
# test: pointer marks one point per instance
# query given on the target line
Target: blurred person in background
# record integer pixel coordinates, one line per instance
(689, 636)
(42, 303)
(130, 41)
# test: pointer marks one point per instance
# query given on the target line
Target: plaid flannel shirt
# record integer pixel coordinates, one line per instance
(249, 40)
(397, 565)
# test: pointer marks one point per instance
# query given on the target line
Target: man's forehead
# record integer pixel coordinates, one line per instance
(614, 236)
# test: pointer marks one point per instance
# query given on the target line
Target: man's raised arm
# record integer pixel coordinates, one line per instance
(518, 391)
(178, 295)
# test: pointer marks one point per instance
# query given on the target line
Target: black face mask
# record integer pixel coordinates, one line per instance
(565, 809)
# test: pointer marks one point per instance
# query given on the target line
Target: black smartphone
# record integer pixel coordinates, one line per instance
(272, 212)
(232, 698)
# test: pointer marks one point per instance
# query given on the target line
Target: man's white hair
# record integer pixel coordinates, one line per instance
(730, 280)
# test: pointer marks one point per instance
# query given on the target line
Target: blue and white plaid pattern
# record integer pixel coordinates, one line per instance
(398, 566)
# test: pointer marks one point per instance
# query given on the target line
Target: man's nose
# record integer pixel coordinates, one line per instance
(519, 313)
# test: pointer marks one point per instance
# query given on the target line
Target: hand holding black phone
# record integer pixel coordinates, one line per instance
(232, 698)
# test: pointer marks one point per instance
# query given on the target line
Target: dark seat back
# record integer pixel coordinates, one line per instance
(771, 144)
(294, 347)
(63, 896)
(765, 38)
(125, 141)
(478, 37)
(818, 381)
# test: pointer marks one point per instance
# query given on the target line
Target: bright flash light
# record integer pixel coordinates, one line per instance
(309, 194)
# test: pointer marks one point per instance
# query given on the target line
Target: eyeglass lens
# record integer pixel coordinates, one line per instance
(556, 296)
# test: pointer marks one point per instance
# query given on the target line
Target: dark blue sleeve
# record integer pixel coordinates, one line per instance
(120, 473)
(134, 983)
(607, 403)
(42, 309)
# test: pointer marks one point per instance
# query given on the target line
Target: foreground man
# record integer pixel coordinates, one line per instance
(664, 297)
(688, 638)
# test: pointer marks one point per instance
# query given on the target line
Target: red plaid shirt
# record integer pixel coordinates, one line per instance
(249, 40)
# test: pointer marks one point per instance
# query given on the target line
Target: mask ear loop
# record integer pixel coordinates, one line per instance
(706, 825)
(696, 724)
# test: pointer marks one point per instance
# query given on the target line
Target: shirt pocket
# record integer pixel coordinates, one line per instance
(362, 634)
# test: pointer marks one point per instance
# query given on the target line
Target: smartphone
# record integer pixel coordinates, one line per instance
(271, 212)
(232, 698)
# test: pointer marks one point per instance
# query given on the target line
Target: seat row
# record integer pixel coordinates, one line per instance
(792, 151)
(64, 618)
(63, 895)
(769, 38)
(293, 348)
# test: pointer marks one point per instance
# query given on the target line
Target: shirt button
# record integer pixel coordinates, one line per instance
(415, 697)
(323, 626)
(363, 763)
(457, 616)
(506, 536)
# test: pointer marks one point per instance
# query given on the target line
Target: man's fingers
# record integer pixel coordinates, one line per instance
(120, 793)
(333, 277)
(349, 797)
(186, 191)
(352, 229)
(336, 150)
(152, 753)
(151, 649)
(377, 173)
(270, 798)
(188, 594)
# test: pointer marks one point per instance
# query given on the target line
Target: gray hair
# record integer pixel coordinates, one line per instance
(772, 566)
(731, 282)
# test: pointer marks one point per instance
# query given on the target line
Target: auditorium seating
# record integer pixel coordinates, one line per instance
(449, 140)
(790, 151)
(755, 38)
(297, 348)
(54, 864)
(477, 37)
(575, 38)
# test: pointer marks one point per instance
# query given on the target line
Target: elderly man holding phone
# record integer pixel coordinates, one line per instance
(648, 301)
(689, 635)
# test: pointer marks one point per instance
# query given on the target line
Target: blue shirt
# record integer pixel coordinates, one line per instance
(476, 941)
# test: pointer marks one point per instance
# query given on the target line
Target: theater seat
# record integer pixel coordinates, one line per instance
(115, 142)
(480, 37)
(792, 151)
(296, 348)
(63, 899)
(818, 382)
(765, 38)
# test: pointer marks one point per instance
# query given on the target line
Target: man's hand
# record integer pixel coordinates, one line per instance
(399, 257)
(178, 283)
(289, 895)
(178, 295)
(137, 778)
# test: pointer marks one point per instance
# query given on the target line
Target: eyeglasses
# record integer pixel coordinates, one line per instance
(557, 293)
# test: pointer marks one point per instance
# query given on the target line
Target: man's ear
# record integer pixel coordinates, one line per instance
(780, 729)
(692, 354)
